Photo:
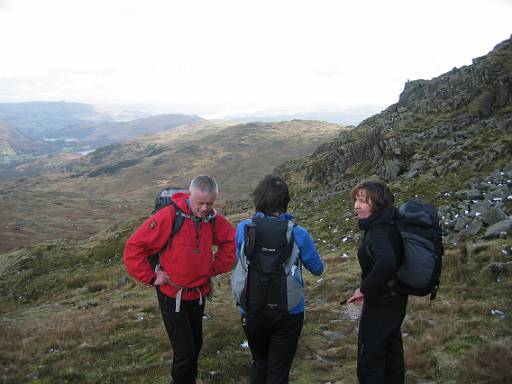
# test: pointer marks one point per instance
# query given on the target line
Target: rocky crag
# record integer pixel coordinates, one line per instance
(448, 140)
(462, 118)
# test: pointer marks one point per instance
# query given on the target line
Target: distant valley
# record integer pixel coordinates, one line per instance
(70, 196)
(35, 129)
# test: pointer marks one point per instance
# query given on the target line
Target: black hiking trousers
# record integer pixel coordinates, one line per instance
(185, 331)
(273, 343)
(380, 352)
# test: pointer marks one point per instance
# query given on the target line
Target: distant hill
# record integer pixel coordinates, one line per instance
(236, 155)
(76, 126)
(44, 119)
(114, 132)
(129, 174)
(7, 136)
(344, 116)
(13, 142)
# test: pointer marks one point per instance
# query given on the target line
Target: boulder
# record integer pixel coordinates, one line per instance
(469, 194)
(472, 229)
(500, 229)
(500, 192)
(462, 223)
(391, 169)
(498, 268)
(493, 215)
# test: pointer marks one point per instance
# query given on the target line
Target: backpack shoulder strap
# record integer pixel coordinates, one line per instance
(249, 239)
(289, 231)
(294, 255)
(180, 216)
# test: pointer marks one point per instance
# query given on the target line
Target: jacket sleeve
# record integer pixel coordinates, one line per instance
(224, 239)
(385, 261)
(307, 251)
(239, 237)
(147, 240)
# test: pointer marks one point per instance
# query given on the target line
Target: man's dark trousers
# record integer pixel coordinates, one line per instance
(380, 355)
(273, 344)
(185, 331)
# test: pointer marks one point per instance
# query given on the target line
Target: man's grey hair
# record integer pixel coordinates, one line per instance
(204, 184)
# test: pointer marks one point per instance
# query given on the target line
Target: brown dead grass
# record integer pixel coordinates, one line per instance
(23, 339)
(488, 364)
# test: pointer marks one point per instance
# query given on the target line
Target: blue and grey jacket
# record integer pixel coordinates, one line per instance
(308, 255)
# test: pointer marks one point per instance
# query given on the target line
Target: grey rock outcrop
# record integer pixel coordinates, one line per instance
(438, 126)
(500, 229)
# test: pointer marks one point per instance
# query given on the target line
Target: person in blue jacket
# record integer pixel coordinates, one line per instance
(273, 339)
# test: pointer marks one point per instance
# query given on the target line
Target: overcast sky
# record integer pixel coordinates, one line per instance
(218, 56)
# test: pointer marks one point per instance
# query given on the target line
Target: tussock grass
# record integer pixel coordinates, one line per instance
(45, 332)
(104, 328)
(487, 364)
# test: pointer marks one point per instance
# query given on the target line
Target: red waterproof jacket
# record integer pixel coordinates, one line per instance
(189, 260)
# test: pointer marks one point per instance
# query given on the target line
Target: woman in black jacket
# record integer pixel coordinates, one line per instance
(380, 357)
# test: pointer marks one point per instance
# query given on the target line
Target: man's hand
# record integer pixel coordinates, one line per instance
(161, 278)
(356, 297)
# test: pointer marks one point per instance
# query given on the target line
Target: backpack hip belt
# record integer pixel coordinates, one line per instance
(187, 289)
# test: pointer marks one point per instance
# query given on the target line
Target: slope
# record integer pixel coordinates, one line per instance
(79, 318)
(116, 182)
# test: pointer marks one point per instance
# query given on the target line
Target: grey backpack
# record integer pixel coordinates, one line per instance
(267, 278)
(420, 271)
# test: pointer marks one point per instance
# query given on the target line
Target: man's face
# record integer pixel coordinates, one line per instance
(201, 203)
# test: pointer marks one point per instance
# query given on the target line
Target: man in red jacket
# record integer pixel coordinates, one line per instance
(187, 263)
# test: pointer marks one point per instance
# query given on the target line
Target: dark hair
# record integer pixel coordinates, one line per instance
(271, 195)
(377, 192)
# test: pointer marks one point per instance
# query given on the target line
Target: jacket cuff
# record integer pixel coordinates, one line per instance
(363, 290)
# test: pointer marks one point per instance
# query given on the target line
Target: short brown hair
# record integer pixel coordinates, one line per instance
(377, 192)
(271, 195)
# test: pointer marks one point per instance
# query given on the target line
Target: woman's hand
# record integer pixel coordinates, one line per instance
(356, 297)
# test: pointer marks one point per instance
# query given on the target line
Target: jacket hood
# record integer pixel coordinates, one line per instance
(283, 216)
(181, 200)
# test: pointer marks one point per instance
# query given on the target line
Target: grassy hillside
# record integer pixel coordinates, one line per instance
(77, 198)
(70, 314)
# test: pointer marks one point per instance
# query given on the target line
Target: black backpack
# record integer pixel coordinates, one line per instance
(268, 246)
(420, 270)
(163, 199)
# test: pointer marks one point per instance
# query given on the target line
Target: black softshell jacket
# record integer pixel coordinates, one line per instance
(380, 253)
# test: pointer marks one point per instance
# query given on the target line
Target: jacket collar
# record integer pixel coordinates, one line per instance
(383, 216)
(285, 216)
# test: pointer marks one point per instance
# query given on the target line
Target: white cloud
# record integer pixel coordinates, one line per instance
(227, 55)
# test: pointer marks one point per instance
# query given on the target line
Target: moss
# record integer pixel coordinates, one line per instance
(504, 111)
(459, 346)
(359, 170)
(482, 104)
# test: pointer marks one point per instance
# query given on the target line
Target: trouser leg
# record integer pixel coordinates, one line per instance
(256, 330)
(184, 329)
(273, 345)
(395, 367)
(283, 345)
(380, 348)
